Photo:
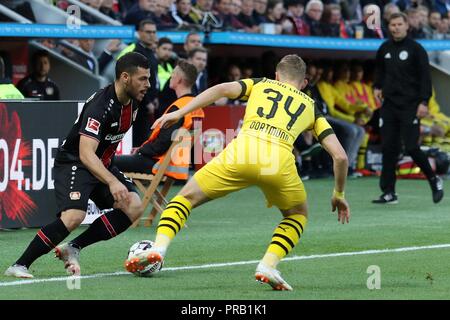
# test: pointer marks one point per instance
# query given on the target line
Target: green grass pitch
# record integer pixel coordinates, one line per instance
(238, 228)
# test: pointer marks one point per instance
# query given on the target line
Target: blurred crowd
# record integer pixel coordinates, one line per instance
(329, 18)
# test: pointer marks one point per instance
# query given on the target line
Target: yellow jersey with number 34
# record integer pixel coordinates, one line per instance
(278, 112)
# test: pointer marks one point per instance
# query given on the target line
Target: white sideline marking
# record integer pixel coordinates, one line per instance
(227, 264)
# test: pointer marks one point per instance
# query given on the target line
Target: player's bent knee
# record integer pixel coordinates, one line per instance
(134, 210)
(72, 218)
(298, 209)
(192, 192)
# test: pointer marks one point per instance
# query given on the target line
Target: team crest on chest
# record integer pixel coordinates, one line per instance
(403, 55)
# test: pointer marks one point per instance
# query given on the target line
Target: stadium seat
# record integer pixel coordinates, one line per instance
(148, 184)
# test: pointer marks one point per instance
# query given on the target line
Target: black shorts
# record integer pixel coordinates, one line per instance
(75, 185)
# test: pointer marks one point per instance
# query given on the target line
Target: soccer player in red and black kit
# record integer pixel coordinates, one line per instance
(403, 80)
(83, 171)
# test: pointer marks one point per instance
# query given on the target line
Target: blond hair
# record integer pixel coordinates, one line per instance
(292, 67)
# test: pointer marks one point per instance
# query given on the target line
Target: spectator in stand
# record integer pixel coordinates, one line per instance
(423, 14)
(247, 72)
(415, 27)
(388, 10)
(193, 40)
(199, 9)
(259, 13)
(87, 45)
(361, 90)
(164, 52)
(198, 57)
(351, 135)
(357, 108)
(233, 74)
(142, 10)
(443, 29)
(38, 84)
(236, 8)
(274, 14)
(246, 16)
(431, 30)
(49, 43)
(294, 22)
(163, 16)
(314, 11)
(181, 15)
(223, 13)
(332, 23)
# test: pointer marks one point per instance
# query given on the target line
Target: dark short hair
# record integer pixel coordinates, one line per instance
(192, 53)
(39, 54)
(130, 62)
(144, 22)
(398, 15)
(163, 41)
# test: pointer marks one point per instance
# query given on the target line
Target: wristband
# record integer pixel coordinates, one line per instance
(338, 195)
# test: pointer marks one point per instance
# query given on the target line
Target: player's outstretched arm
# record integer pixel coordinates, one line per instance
(340, 165)
(230, 90)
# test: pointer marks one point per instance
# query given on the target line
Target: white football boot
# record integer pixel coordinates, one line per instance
(71, 258)
(18, 271)
(265, 274)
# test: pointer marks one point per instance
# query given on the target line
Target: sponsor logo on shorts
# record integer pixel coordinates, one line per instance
(93, 126)
(75, 195)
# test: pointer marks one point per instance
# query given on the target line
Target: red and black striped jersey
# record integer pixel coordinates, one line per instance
(104, 119)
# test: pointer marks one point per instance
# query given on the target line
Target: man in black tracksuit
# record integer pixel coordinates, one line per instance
(403, 80)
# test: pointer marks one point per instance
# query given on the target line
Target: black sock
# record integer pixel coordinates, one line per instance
(421, 160)
(44, 241)
(105, 227)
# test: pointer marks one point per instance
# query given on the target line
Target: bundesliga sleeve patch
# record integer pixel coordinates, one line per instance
(93, 126)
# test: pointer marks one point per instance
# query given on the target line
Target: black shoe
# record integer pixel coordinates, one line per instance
(437, 187)
(387, 198)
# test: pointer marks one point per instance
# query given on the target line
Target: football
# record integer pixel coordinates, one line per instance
(137, 249)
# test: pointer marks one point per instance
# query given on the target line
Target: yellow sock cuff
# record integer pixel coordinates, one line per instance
(174, 217)
(183, 201)
(287, 234)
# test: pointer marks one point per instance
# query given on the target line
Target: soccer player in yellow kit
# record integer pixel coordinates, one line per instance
(276, 113)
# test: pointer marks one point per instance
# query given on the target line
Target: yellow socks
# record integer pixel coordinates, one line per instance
(172, 220)
(285, 237)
